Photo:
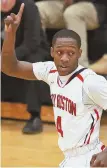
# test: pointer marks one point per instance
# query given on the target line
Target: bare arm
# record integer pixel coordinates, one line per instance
(9, 63)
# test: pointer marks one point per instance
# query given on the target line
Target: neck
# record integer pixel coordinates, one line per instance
(73, 71)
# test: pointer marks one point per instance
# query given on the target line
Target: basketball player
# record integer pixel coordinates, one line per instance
(78, 94)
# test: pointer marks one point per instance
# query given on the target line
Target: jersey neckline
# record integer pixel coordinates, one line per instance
(76, 73)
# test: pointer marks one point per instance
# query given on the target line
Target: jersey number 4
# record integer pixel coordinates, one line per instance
(59, 126)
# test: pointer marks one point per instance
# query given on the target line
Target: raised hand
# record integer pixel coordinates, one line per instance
(12, 21)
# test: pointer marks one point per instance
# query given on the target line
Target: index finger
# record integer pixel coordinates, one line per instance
(21, 10)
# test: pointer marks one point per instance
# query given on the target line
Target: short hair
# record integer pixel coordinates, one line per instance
(66, 33)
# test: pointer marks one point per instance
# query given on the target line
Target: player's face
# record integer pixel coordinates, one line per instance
(7, 5)
(65, 54)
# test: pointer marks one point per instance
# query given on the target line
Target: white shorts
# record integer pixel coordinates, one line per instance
(80, 157)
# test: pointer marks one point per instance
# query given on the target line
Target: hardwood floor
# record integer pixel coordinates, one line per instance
(39, 150)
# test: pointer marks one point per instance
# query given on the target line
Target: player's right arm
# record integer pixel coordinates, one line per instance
(9, 63)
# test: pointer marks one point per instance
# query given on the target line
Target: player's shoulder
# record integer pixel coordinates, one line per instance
(42, 70)
(90, 75)
(51, 71)
(50, 66)
(93, 80)
(87, 72)
(47, 64)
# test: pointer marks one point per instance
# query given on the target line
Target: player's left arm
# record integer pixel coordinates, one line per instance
(99, 160)
(96, 88)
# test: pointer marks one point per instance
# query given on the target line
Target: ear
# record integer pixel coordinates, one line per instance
(80, 52)
(52, 51)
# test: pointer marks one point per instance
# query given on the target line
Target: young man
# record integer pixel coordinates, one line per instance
(78, 94)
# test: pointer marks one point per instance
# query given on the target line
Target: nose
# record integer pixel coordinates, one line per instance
(65, 58)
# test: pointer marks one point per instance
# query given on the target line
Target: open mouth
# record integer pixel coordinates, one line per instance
(63, 68)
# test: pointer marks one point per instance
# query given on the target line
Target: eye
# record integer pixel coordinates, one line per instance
(71, 53)
(59, 52)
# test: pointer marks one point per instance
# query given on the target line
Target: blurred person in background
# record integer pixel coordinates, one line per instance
(80, 16)
(31, 45)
